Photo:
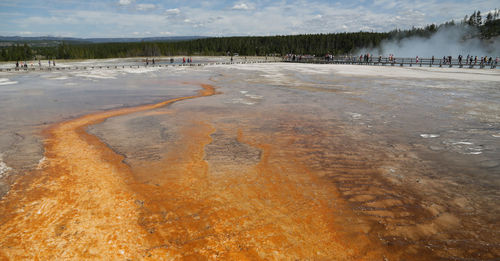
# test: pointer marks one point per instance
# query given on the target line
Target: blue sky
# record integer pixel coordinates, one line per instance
(148, 18)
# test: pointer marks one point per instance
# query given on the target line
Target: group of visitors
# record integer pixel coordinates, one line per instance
(25, 64)
(152, 61)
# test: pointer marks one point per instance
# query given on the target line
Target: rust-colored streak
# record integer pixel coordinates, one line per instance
(87, 204)
(79, 205)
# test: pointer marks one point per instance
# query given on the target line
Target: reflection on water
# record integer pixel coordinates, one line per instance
(287, 161)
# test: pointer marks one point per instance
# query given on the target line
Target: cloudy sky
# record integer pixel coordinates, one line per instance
(147, 18)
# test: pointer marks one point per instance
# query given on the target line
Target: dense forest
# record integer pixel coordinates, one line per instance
(314, 44)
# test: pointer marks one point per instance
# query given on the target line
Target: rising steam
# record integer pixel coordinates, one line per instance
(448, 40)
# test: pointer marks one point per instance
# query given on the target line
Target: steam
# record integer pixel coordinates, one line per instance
(447, 41)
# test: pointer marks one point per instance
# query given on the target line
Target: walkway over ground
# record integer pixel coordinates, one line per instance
(89, 67)
(399, 62)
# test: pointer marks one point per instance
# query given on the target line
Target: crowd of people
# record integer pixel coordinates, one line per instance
(52, 63)
(369, 58)
(153, 61)
(21, 64)
(363, 58)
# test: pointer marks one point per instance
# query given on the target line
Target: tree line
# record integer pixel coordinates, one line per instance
(313, 44)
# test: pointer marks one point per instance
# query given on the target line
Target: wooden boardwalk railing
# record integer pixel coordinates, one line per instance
(400, 62)
(90, 67)
(355, 61)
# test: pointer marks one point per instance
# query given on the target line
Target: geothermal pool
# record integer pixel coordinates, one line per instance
(250, 161)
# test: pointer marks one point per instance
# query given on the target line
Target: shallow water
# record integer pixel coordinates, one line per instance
(286, 161)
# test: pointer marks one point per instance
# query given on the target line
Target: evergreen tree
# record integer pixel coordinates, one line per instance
(478, 21)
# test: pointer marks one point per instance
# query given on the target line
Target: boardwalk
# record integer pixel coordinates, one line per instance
(398, 62)
(90, 67)
(349, 60)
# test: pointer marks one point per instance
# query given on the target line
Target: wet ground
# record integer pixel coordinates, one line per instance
(279, 161)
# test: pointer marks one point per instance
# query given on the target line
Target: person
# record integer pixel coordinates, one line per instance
(153, 61)
(231, 59)
(416, 59)
(54, 63)
(49, 62)
(183, 59)
(39, 63)
(17, 64)
(147, 61)
(432, 59)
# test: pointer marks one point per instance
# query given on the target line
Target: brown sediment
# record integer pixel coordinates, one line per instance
(276, 202)
(86, 203)
(80, 204)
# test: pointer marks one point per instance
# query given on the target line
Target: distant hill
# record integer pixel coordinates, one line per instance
(43, 40)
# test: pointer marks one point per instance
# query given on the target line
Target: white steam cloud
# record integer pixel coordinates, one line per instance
(447, 41)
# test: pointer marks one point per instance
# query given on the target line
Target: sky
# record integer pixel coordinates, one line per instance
(149, 18)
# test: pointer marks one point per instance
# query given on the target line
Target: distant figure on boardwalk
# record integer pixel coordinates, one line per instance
(153, 61)
(432, 60)
(183, 59)
(17, 64)
(416, 59)
(49, 63)
(54, 63)
(39, 63)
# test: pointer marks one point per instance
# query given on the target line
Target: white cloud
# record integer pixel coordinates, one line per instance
(173, 12)
(125, 2)
(145, 7)
(242, 17)
(242, 6)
